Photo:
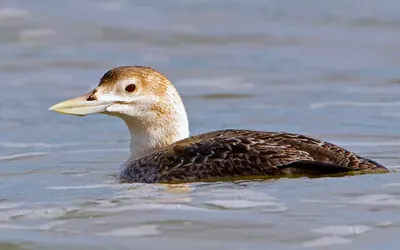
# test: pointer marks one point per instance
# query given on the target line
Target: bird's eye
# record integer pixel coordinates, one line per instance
(130, 88)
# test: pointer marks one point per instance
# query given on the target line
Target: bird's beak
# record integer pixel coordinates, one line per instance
(80, 106)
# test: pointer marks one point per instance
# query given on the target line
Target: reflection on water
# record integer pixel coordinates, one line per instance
(326, 69)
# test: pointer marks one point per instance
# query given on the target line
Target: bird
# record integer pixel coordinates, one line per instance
(163, 151)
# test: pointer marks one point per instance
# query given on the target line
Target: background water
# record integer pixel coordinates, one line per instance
(329, 69)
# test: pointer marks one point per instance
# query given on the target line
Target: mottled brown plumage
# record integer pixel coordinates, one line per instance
(245, 153)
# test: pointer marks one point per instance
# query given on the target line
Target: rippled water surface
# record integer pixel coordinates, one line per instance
(329, 69)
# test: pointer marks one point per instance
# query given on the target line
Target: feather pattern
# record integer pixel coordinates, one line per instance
(244, 153)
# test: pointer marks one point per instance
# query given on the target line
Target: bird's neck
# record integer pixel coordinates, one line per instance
(147, 137)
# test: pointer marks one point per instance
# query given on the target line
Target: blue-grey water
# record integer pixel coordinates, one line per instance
(329, 69)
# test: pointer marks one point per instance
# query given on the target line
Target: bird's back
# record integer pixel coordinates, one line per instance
(244, 153)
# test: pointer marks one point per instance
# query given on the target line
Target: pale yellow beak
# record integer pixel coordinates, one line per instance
(80, 106)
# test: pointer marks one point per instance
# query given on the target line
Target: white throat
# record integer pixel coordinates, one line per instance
(148, 136)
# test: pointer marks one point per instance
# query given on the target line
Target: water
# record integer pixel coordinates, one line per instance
(329, 69)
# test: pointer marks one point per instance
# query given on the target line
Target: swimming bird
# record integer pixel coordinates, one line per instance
(163, 151)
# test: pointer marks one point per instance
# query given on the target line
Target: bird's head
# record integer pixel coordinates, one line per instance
(144, 98)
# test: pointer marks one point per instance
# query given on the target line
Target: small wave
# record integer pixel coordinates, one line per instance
(357, 104)
(22, 156)
(8, 205)
(140, 190)
(93, 186)
(386, 200)
(36, 154)
(246, 204)
(342, 230)
(38, 213)
(144, 207)
(336, 234)
(13, 13)
(381, 200)
(144, 230)
(327, 241)
(25, 145)
(44, 227)
(245, 194)
(35, 36)
(128, 190)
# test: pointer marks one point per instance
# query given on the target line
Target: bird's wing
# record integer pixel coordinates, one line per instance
(245, 153)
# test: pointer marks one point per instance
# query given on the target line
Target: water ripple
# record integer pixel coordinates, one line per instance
(327, 241)
(36, 213)
(319, 105)
(22, 156)
(379, 200)
(144, 230)
(247, 204)
(7, 14)
(340, 230)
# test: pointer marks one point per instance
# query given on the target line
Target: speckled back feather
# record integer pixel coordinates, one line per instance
(241, 153)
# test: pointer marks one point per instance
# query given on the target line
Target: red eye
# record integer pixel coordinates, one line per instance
(130, 88)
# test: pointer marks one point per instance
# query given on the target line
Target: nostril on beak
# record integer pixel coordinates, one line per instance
(91, 98)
